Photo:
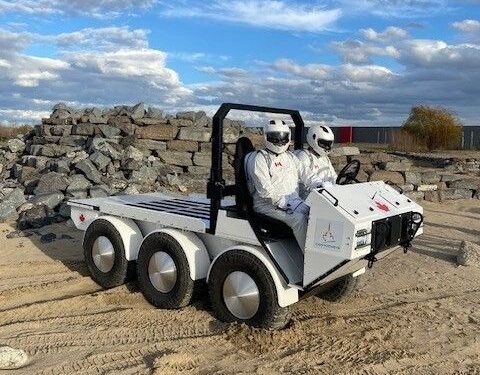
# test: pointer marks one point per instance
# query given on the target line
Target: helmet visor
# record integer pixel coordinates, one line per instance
(326, 145)
(278, 138)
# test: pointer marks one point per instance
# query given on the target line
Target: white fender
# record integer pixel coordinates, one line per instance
(194, 249)
(287, 295)
(129, 232)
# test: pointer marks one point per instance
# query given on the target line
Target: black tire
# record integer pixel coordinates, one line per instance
(184, 288)
(122, 270)
(269, 314)
(340, 290)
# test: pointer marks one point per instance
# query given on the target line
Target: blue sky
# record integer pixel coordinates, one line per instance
(362, 62)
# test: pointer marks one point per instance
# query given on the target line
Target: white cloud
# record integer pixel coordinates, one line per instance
(102, 38)
(86, 75)
(92, 8)
(366, 73)
(357, 51)
(468, 26)
(397, 8)
(310, 71)
(390, 33)
(275, 14)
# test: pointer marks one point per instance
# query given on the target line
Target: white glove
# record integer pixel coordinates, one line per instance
(289, 203)
(327, 184)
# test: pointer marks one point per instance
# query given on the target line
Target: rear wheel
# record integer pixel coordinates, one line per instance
(341, 289)
(104, 254)
(241, 289)
(164, 273)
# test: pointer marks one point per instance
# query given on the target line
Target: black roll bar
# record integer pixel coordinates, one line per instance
(216, 184)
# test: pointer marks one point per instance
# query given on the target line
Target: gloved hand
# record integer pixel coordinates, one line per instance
(289, 203)
(327, 184)
(317, 184)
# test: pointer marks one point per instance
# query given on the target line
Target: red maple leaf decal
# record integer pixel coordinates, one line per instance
(82, 218)
(382, 206)
(278, 164)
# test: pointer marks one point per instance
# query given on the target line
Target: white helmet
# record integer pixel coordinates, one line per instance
(276, 136)
(320, 138)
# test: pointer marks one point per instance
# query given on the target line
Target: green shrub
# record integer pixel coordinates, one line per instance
(436, 128)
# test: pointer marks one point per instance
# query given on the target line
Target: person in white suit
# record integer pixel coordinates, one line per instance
(273, 177)
(315, 158)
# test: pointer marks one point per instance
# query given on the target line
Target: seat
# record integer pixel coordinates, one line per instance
(266, 225)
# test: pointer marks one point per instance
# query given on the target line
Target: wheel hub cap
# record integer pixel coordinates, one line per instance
(162, 271)
(241, 295)
(103, 254)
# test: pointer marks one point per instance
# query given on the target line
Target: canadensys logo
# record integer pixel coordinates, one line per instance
(328, 235)
(382, 206)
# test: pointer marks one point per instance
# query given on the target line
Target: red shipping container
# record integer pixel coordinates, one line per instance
(346, 134)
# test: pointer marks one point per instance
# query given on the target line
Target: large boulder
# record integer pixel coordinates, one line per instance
(345, 151)
(198, 134)
(150, 144)
(9, 205)
(109, 131)
(431, 177)
(89, 170)
(51, 200)
(16, 145)
(414, 178)
(180, 158)
(107, 147)
(144, 176)
(394, 177)
(398, 166)
(451, 193)
(160, 132)
(469, 183)
(182, 145)
(78, 186)
(100, 160)
(469, 254)
(36, 217)
(51, 182)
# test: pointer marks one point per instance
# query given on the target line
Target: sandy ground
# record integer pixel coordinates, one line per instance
(412, 314)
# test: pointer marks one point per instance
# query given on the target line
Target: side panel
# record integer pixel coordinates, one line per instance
(286, 295)
(195, 251)
(131, 235)
(235, 229)
(82, 217)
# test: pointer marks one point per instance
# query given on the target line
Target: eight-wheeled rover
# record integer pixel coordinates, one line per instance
(251, 264)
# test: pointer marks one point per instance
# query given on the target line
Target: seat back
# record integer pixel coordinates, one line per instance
(243, 199)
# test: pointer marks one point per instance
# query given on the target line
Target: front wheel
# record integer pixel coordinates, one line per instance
(241, 289)
(341, 289)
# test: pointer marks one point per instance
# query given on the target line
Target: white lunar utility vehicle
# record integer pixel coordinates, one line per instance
(251, 264)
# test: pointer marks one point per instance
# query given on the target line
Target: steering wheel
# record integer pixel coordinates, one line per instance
(348, 174)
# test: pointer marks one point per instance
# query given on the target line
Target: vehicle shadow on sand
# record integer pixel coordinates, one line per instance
(436, 247)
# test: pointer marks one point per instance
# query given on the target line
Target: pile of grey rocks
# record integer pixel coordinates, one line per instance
(99, 152)
(430, 182)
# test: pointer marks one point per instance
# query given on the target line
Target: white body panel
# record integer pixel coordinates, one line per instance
(287, 295)
(338, 213)
(235, 229)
